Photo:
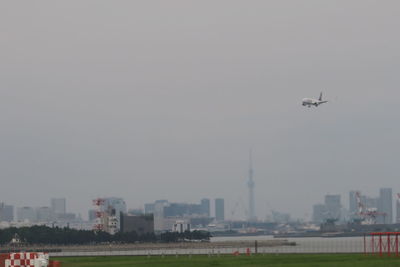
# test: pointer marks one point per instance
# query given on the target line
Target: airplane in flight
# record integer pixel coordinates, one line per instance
(313, 102)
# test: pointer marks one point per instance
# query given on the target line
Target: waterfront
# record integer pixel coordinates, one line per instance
(305, 244)
(230, 245)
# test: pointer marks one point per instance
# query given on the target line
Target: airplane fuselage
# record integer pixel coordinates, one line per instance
(312, 102)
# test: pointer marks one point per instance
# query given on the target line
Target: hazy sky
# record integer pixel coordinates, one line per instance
(155, 100)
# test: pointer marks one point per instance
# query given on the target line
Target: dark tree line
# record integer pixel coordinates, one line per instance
(67, 236)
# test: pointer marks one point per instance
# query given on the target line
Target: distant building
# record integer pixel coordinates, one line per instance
(333, 206)
(319, 213)
(181, 226)
(58, 205)
(108, 214)
(219, 209)
(166, 214)
(200, 222)
(370, 203)
(205, 207)
(280, 217)
(186, 209)
(26, 214)
(331, 209)
(141, 224)
(67, 217)
(353, 206)
(159, 216)
(44, 214)
(114, 206)
(385, 205)
(149, 208)
(6, 213)
(135, 212)
(92, 215)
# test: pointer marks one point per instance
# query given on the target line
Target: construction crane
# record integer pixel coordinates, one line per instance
(368, 214)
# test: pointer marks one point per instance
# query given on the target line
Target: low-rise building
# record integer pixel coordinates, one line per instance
(141, 224)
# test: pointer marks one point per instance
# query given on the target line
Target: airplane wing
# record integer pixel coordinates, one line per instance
(322, 102)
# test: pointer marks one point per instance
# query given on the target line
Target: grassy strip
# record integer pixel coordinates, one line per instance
(281, 260)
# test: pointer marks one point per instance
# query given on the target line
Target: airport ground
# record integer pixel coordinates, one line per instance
(271, 260)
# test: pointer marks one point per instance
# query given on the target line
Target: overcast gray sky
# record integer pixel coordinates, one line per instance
(155, 100)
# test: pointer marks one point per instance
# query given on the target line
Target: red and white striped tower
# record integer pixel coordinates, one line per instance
(100, 214)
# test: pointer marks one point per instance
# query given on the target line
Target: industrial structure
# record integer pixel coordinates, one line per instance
(382, 243)
(369, 215)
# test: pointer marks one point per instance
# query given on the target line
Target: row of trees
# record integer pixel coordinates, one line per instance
(67, 236)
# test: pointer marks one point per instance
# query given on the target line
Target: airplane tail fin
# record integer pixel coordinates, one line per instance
(320, 97)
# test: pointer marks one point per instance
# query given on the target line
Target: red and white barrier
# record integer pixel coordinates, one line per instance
(27, 259)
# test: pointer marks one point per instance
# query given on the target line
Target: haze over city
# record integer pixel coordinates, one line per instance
(147, 101)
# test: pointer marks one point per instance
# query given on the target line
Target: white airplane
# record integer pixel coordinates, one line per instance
(313, 102)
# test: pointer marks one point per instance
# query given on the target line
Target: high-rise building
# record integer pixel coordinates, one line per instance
(149, 208)
(6, 213)
(181, 209)
(136, 212)
(26, 214)
(67, 217)
(184, 209)
(58, 205)
(333, 206)
(159, 220)
(44, 214)
(353, 206)
(370, 203)
(114, 206)
(205, 207)
(385, 205)
(319, 213)
(92, 215)
(166, 214)
(219, 209)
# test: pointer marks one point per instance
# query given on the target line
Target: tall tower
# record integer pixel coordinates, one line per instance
(250, 184)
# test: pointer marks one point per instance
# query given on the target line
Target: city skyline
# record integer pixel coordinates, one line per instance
(336, 206)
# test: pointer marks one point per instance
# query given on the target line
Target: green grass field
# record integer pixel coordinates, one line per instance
(290, 260)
